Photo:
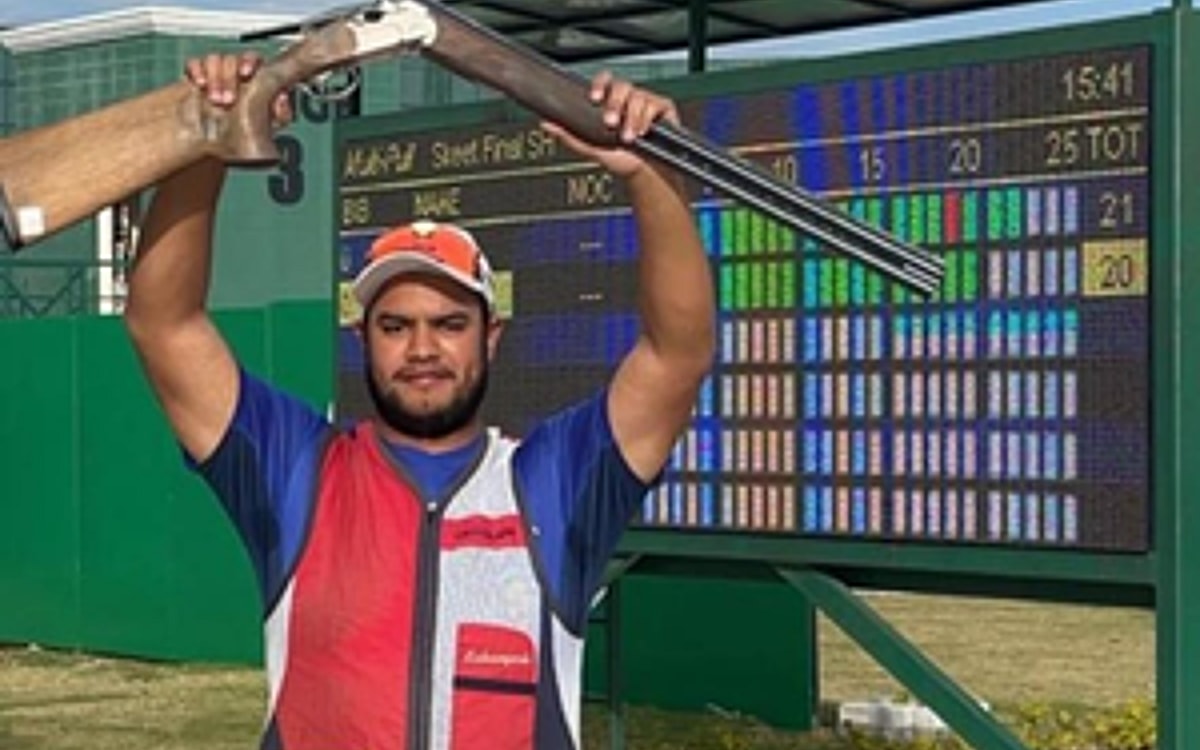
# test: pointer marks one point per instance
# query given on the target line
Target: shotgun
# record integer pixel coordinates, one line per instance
(59, 174)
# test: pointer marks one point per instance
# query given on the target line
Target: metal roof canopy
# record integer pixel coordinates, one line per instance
(581, 30)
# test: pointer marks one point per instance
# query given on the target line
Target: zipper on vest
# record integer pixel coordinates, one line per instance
(420, 688)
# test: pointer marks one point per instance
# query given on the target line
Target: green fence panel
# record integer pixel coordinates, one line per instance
(300, 361)
(743, 646)
(216, 613)
(133, 514)
(108, 542)
(39, 511)
(123, 478)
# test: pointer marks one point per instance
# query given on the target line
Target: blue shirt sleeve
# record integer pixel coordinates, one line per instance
(580, 496)
(264, 473)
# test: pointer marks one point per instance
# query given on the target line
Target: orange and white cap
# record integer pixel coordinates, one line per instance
(429, 247)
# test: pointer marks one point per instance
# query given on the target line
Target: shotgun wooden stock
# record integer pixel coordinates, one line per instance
(58, 174)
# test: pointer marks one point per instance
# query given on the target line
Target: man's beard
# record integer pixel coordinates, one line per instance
(437, 424)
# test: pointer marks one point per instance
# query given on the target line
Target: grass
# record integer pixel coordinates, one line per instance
(1009, 653)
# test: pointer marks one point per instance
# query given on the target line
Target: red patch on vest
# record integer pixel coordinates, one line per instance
(482, 532)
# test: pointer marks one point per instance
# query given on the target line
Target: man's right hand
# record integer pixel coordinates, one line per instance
(220, 77)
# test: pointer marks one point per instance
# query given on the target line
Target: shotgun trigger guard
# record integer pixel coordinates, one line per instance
(333, 86)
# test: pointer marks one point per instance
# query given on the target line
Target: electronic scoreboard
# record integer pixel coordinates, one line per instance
(1012, 408)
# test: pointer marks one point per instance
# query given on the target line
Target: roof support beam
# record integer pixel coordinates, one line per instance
(698, 36)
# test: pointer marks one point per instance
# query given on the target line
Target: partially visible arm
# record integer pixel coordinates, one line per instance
(655, 386)
(188, 364)
(186, 361)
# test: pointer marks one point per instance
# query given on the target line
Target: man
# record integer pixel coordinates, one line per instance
(425, 581)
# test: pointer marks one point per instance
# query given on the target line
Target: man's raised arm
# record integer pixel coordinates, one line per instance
(187, 362)
(655, 387)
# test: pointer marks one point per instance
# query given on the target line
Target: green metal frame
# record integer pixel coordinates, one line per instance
(70, 294)
(904, 660)
(697, 36)
(1177, 415)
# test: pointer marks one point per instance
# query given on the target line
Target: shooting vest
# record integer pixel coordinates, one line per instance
(409, 627)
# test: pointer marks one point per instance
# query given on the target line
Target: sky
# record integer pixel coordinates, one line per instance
(959, 25)
(18, 12)
(1030, 15)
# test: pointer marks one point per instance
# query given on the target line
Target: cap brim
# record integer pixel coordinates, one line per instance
(375, 276)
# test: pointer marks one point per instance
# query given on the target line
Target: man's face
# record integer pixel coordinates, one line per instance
(428, 347)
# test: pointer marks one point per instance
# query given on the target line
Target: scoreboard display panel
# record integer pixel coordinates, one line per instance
(1011, 408)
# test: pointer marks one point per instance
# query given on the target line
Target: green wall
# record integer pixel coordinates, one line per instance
(107, 542)
(6, 86)
(692, 643)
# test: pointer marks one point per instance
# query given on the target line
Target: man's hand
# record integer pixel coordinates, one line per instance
(629, 111)
(220, 77)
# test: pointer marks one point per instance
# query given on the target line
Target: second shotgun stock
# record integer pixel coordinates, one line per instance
(56, 175)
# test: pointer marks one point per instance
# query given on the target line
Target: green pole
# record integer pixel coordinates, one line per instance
(697, 36)
(614, 695)
(616, 700)
(1177, 373)
(900, 657)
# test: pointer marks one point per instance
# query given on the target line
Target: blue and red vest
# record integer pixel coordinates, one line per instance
(396, 622)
